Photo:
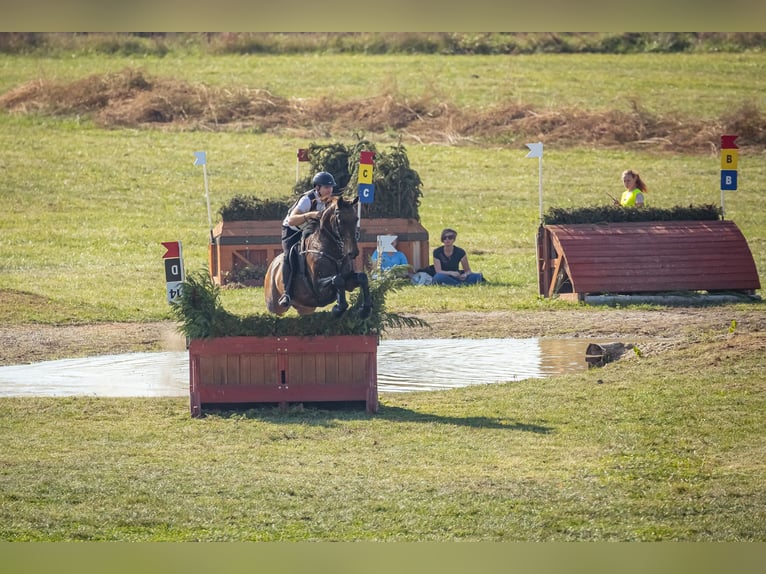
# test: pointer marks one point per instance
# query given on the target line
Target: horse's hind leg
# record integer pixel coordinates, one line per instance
(272, 286)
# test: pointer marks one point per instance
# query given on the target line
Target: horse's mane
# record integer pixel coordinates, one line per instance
(336, 203)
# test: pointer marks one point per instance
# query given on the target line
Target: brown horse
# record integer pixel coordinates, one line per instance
(329, 252)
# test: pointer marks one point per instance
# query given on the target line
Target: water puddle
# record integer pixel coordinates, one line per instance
(405, 365)
(434, 364)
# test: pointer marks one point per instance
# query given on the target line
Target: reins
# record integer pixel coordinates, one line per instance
(335, 235)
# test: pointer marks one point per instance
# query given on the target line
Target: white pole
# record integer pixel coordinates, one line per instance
(207, 198)
(536, 150)
(540, 184)
(358, 220)
(200, 158)
(380, 256)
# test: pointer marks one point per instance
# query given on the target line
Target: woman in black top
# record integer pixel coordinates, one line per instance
(448, 260)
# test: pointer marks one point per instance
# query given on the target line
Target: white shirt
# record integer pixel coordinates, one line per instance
(304, 206)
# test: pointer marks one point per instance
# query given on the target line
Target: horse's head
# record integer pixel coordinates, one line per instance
(340, 219)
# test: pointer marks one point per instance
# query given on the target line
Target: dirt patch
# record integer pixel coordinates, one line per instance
(653, 331)
(20, 344)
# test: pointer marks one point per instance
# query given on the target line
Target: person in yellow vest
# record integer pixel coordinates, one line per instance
(635, 190)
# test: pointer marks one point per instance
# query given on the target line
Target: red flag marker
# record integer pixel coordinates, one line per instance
(174, 249)
(727, 142)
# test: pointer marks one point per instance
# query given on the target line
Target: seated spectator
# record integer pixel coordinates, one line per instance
(391, 259)
(448, 260)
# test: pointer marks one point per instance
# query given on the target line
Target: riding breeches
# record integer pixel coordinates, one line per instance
(290, 237)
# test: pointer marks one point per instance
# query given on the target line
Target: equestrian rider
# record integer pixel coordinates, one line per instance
(307, 209)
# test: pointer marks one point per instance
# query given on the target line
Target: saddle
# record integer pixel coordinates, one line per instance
(298, 266)
(297, 259)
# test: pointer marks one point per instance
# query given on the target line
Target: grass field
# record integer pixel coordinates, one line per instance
(651, 453)
(93, 206)
(691, 84)
(668, 448)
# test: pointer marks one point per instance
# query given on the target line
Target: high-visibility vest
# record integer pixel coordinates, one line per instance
(628, 198)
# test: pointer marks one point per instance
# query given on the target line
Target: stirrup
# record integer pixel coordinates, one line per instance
(285, 300)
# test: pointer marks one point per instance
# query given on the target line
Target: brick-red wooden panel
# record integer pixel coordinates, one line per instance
(258, 242)
(283, 369)
(639, 257)
(331, 369)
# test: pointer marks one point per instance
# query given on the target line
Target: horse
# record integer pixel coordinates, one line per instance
(327, 272)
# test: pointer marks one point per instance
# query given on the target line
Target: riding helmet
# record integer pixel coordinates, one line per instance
(324, 178)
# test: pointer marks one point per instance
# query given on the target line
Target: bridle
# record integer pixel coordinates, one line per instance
(330, 225)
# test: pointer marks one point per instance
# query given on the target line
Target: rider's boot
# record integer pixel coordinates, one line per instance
(287, 279)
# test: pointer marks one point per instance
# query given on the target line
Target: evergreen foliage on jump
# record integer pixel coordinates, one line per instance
(619, 214)
(201, 315)
(397, 185)
(243, 207)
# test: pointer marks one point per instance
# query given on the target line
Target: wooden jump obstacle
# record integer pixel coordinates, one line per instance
(283, 370)
(575, 260)
(238, 244)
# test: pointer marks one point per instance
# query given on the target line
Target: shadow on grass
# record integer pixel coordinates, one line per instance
(398, 414)
(330, 414)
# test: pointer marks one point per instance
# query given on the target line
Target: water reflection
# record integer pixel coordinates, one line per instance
(413, 365)
(407, 365)
(131, 375)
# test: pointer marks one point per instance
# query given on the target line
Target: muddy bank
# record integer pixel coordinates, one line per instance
(666, 327)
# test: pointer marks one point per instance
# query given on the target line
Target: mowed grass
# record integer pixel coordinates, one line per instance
(667, 447)
(86, 210)
(636, 451)
(696, 85)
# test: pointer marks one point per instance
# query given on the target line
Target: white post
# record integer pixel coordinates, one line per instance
(207, 199)
(540, 184)
(536, 150)
(200, 158)
(379, 262)
(358, 220)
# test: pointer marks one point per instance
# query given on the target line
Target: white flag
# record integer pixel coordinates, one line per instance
(536, 149)
(386, 243)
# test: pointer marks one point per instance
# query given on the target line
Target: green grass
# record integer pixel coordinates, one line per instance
(656, 452)
(86, 210)
(692, 85)
(651, 453)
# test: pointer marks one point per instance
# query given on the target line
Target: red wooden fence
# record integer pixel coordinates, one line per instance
(283, 370)
(239, 244)
(644, 257)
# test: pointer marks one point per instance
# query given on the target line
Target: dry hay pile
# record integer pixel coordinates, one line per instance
(131, 99)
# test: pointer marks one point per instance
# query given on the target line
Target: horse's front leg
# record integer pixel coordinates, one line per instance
(340, 296)
(364, 283)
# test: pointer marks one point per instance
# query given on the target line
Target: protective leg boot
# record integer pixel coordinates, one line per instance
(287, 279)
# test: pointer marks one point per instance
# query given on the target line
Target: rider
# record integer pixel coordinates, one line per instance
(309, 207)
